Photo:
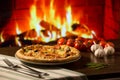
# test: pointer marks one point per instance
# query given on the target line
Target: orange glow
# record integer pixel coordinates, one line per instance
(69, 18)
(1, 37)
(17, 41)
(34, 21)
(52, 12)
(85, 32)
(18, 31)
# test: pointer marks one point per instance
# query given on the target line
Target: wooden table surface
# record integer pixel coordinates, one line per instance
(111, 71)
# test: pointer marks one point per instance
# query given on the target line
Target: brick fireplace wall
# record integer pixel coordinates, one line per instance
(102, 16)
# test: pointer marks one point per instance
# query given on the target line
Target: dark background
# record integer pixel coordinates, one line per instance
(5, 11)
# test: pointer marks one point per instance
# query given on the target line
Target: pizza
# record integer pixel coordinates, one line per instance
(48, 53)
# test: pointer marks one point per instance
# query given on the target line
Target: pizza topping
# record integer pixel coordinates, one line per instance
(25, 50)
(36, 50)
(67, 49)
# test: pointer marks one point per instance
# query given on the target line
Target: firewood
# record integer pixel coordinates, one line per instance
(28, 34)
(80, 27)
(49, 26)
(10, 41)
(31, 34)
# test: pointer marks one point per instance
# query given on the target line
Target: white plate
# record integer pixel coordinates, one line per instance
(40, 63)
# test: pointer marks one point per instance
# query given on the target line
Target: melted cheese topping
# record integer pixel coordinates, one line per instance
(47, 52)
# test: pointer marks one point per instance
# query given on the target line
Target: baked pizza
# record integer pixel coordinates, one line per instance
(48, 54)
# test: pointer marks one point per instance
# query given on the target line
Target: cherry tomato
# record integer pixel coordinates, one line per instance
(61, 41)
(77, 45)
(97, 40)
(70, 42)
(109, 44)
(79, 39)
(87, 44)
(84, 46)
(90, 42)
(102, 43)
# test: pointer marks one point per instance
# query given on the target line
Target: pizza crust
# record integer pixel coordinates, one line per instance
(75, 54)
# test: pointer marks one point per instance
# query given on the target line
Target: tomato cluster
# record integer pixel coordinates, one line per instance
(79, 43)
(83, 44)
(106, 44)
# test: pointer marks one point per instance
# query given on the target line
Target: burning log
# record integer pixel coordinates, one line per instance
(7, 43)
(28, 34)
(31, 34)
(10, 41)
(45, 32)
(51, 27)
(48, 26)
(47, 36)
(80, 28)
(28, 37)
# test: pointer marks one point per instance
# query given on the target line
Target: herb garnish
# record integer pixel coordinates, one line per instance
(96, 65)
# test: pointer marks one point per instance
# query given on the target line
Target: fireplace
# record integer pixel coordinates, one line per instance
(44, 21)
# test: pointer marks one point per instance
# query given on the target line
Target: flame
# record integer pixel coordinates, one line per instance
(52, 12)
(87, 36)
(69, 18)
(34, 20)
(1, 37)
(18, 31)
(46, 39)
(56, 25)
(17, 41)
(62, 24)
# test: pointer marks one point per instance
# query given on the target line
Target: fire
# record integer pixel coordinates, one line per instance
(52, 12)
(17, 41)
(34, 21)
(1, 37)
(69, 18)
(48, 26)
(18, 31)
